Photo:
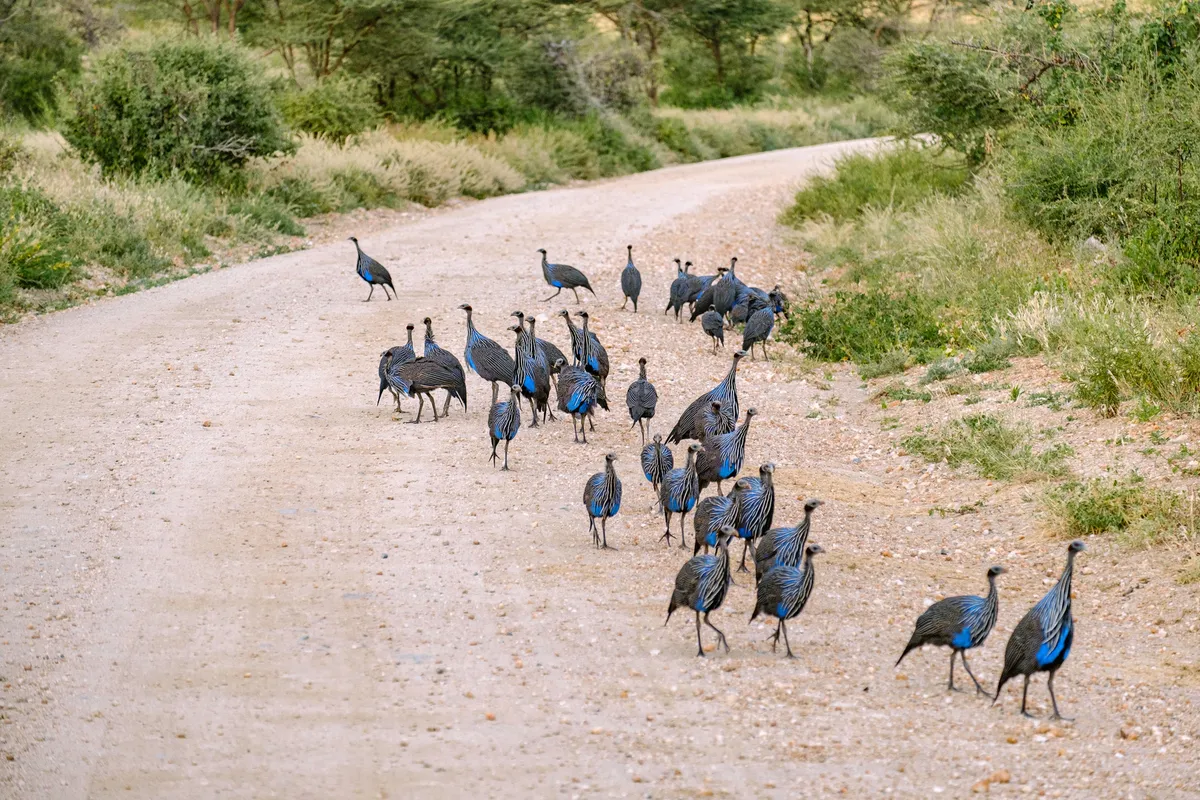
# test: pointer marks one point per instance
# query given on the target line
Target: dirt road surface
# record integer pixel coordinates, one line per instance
(224, 572)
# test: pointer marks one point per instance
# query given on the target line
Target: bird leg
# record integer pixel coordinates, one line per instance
(551, 297)
(952, 687)
(786, 643)
(720, 636)
(967, 666)
(533, 411)
(446, 408)
(1053, 701)
(683, 531)
(573, 429)
(625, 302)
(584, 430)
(505, 467)
(433, 406)
(604, 532)
(1024, 695)
(765, 355)
(590, 421)
(667, 535)
(576, 291)
(595, 533)
(370, 293)
(774, 637)
(420, 408)
(494, 457)
(745, 549)
(495, 391)
(699, 641)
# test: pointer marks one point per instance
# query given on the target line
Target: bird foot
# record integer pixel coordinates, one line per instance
(607, 547)
(742, 568)
(790, 654)
(1061, 718)
(953, 688)
(1027, 714)
(666, 536)
(412, 422)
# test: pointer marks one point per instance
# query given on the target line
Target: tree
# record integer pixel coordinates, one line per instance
(721, 24)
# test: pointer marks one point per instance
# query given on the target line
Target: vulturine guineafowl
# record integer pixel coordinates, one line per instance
(704, 300)
(714, 513)
(678, 494)
(371, 271)
(504, 420)
(657, 461)
(784, 593)
(594, 357)
(578, 394)
(701, 585)
(434, 352)
(547, 352)
(679, 290)
(532, 377)
(395, 356)
(757, 329)
(783, 546)
(691, 421)
(421, 377)
(602, 499)
(562, 276)
(716, 421)
(960, 623)
(1042, 639)
(723, 455)
(631, 280)
(757, 509)
(641, 398)
(487, 358)
(713, 325)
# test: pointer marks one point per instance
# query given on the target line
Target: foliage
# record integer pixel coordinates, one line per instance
(38, 53)
(335, 109)
(997, 450)
(196, 107)
(1135, 512)
(897, 178)
(865, 326)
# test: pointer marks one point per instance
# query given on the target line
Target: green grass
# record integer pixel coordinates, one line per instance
(995, 449)
(896, 179)
(1137, 514)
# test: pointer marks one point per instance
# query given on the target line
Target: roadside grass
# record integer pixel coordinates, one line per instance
(1137, 514)
(995, 449)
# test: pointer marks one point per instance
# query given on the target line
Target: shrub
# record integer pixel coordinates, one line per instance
(37, 53)
(1138, 514)
(334, 109)
(897, 178)
(995, 449)
(199, 107)
(865, 326)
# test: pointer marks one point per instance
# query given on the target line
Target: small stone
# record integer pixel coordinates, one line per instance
(245, 674)
(207, 423)
(490, 717)
(981, 787)
(1011, 740)
(1000, 776)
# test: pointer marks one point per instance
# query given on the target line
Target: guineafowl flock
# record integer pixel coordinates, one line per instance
(716, 432)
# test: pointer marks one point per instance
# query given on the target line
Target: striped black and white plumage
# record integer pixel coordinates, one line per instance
(784, 592)
(395, 355)
(704, 300)
(723, 455)
(576, 338)
(780, 303)
(701, 585)
(716, 421)
(371, 271)
(435, 352)
(757, 329)
(487, 358)
(631, 280)
(594, 357)
(657, 461)
(714, 327)
(725, 294)
(697, 283)
(641, 399)
(757, 508)
(562, 276)
(504, 420)
(713, 514)
(419, 378)
(578, 395)
(1042, 639)
(691, 421)
(531, 376)
(547, 352)
(783, 546)
(601, 500)
(678, 493)
(960, 623)
(679, 290)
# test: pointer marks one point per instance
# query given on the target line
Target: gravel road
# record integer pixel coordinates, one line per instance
(224, 571)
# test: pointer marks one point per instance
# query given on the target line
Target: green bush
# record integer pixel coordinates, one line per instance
(897, 178)
(334, 109)
(996, 450)
(199, 107)
(1138, 514)
(864, 327)
(38, 53)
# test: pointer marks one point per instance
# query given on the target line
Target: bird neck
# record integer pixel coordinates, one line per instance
(690, 466)
(993, 597)
(1063, 586)
(410, 343)
(642, 371)
(470, 324)
(731, 378)
(545, 266)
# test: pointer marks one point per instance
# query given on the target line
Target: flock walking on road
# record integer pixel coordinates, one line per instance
(716, 434)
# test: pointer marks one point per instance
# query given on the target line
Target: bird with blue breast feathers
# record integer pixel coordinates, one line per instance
(784, 593)
(641, 398)
(372, 272)
(783, 545)
(758, 328)
(434, 352)
(678, 492)
(563, 276)
(716, 421)
(705, 297)
(701, 585)
(657, 461)
(691, 421)
(960, 623)
(714, 326)
(395, 356)
(713, 514)
(678, 293)
(602, 499)
(487, 358)
(532, 378)
(578, 395)
(723, 455)
(631, 280)
(1042, 639)
(594, 357)
(546, 351)
(757, 509)
(420, 377)
(504, 421)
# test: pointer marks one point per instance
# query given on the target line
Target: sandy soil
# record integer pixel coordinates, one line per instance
(225, 572)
